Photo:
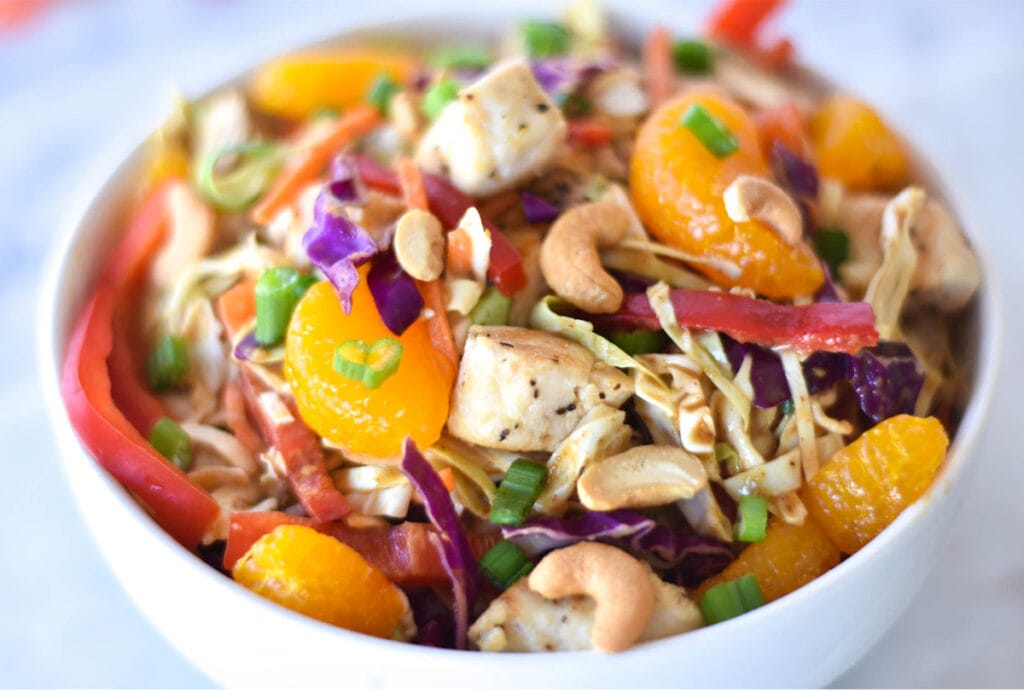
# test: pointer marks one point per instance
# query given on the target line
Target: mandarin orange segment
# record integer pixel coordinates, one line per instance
(677, 185)
(865, 485)
(319, 576)
(855, 146)
(788, 557)
(295, 86)
(413, 401)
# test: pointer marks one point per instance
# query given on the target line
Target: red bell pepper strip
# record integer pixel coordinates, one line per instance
(738, 21)
(404, 553)
(448, 204)
(840, 327)
(302, 455)
(589, 133)
(96, 369)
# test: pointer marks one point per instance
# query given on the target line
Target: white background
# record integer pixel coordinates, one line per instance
(88, 78)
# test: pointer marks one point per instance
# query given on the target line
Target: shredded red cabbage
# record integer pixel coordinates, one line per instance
(542, 534)
(565, 74)
(456, 553)
(682, 556)
(394, 292)
(245, 347)
(335, 245)
(797, 174)
(886, 380)
(537, 209)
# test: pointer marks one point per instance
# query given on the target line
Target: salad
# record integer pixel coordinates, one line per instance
(543, 345)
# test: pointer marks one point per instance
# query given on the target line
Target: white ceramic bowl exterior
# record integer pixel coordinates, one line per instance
(803, 640)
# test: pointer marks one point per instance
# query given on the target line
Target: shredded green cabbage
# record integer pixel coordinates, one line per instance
(891, 283)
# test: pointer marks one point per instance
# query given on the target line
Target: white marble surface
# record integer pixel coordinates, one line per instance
(88, 78)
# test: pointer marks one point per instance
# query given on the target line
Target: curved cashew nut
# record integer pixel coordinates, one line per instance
(645, 476)
(750, 197)
(569, 256)
(618, 583)
(419, 244)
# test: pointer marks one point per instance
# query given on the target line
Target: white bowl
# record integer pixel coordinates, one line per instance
(805, 639)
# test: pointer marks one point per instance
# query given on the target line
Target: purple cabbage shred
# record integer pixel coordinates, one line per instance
(398, 300)
(886, 379)
(537, 209)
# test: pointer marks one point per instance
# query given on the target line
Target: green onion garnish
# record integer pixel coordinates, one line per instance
(461, 57)
(492, 308)
(730, 599)
(752, 519)
(174, 443)
(544, 39)
(167, 366)
(504, 564)
(255, 167)
(572, 104)
(832, 246)
(370, 365)
(710, 131)
(692, 56)
(277, 293)
(596, 188)
(639, 341)
(439, 96)
(725, 453)
(787, 407)
(518, 491)
(381, 92)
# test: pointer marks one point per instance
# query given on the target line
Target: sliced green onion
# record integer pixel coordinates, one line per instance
(167, 366)
(277, 293)
(710, 131)
(520, 488)
(504, 564)
(832, 246)
(256, 165)
(544, 39)
(639, 341)
(381, 92)
(371, 365)
(725, 453)
(465, 57)
(169, 439)
(572, 104)
(787, 407)
(692, 56)
(733, 598)
(492, 308)
(439, 96)
(752, 519)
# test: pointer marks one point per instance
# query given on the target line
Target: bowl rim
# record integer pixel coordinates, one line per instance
(89, 201)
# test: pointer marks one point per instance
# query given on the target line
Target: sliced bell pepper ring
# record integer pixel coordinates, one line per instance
(449, 204)
(301, 453)
(404, 552)
(839, 327)
(589, 133)
(738, 21)
(100, 375)
(181, 508)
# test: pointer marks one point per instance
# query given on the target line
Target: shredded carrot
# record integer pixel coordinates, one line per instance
(308, 163)
(589, 133)
(413, 190)
(460, 252)
(448, 478)
(236, 307)
(785, 124)
(238, 418)
(415, 194)
(658, 65)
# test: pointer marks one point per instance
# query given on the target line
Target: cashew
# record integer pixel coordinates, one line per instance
(645, 476)
(750, 197)
(619, 584)
(419, 244)
(569, 256)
